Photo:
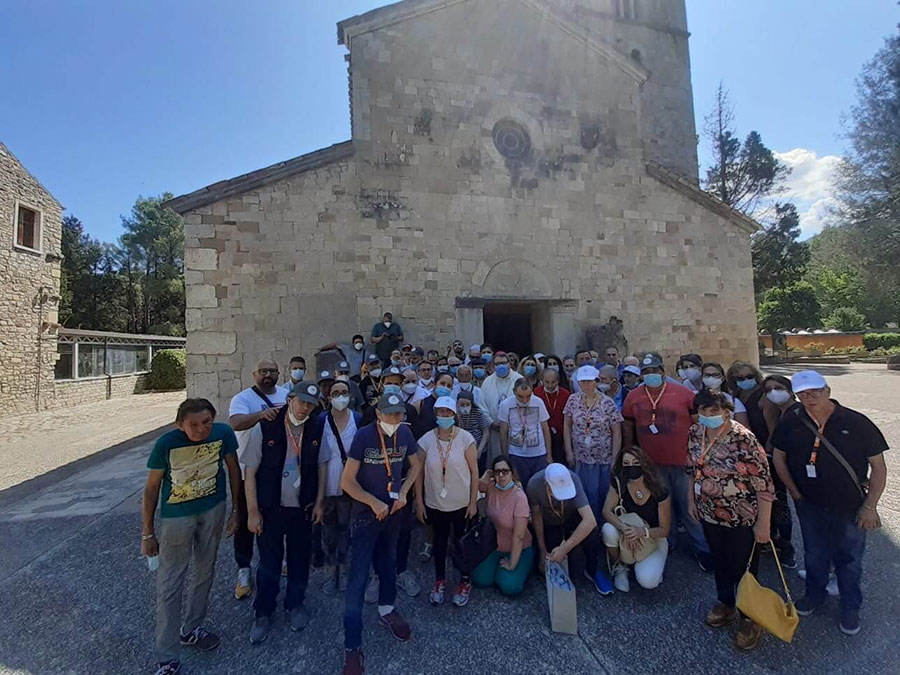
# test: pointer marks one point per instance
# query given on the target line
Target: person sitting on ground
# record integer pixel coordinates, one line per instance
(637, 488)
(192, 516)
(472, 418)
(563, 520)
(690, 371)
(713, 379)
(524, 430)
(447, 492)
(731, 494)
(508, 567)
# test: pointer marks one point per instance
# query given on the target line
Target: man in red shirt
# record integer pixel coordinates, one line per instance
(658, 417)
(554, 398)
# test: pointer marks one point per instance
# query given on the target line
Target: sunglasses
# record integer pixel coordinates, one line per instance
(502, 472)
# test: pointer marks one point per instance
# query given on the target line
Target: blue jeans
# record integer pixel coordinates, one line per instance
(526, 467)
(595, 480)
(678, 483)
(831, 537)
(373, 543)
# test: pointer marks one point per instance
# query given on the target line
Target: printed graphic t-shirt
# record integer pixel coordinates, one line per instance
(194, 479)
(373, 475)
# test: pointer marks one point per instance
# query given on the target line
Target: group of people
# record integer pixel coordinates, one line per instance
(592, 452)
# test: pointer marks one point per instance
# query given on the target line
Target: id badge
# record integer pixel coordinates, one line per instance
(443, 493)
(297, 483)
(653, 429)
(394, 495)
(698, 488)
(810, 470)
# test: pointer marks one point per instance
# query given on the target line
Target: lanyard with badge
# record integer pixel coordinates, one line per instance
(444, 454)
(704, 453)
(387, 462)
(297, 449)
(811, 467)
(562, 506)
(653, 403)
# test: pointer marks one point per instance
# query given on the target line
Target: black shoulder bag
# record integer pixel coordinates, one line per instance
(265, 398)
(337, 437)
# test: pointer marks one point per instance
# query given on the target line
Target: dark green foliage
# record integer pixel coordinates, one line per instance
(167, 370)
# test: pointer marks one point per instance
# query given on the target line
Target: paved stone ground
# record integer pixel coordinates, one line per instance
(49, 440)
(77, 598)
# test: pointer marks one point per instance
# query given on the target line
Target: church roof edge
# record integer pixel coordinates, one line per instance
(254, 179)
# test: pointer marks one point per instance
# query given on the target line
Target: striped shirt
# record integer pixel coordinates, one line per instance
(476, 423)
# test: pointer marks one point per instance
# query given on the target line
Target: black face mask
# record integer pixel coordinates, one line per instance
(632, 472)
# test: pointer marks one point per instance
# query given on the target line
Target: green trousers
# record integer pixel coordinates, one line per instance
(510, 582)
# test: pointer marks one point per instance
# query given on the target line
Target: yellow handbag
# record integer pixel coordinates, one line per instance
(765, 606)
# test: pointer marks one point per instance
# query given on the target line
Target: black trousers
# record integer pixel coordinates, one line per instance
(782, 527)
(443, 521)
(554, 535)
(283, 525)
(730, 548)
(243, 538)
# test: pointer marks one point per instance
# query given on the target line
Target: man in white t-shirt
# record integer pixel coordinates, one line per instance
(525, 431)
(247, 408)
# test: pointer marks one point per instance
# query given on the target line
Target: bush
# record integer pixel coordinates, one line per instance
(846, 318)
(883, 340)
(885, 351)
(167, 371)
(847, 350)
(814, 347)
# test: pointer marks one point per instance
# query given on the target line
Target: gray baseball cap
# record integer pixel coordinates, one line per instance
(305, 391)
(391, 403)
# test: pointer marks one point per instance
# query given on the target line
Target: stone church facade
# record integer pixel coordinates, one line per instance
(519, 171)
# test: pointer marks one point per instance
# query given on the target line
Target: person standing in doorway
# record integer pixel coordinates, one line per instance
(525, 432)
(187, 469)
(259, 403)
(386, 335)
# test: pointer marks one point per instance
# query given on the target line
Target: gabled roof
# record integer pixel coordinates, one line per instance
(410, 9)
(679, 183)
(270, 174)
(9, 153)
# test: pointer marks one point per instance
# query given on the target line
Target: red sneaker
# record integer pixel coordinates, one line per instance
(397, 625)
(354, 662)
(461, 596)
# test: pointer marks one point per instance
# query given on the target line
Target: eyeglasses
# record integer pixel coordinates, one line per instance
(268, 371)
(502, 472)
(811, 393)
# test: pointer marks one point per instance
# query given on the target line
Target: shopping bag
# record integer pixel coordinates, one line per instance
(765, 606)
(561, 599)
(476, 544)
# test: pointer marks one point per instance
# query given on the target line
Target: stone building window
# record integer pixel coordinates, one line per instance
(627, 9)
(28, 228)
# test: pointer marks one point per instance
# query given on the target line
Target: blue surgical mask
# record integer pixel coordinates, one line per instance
(556, 368)
(713, 422)
(653, 380)
(747, 385)
(392, 389)
(298, 374)
(503, 370)
(480, 373)
(396, 362)
(530, 370)
(454, 370)
(509, 486)
(442, 391)
(487, 356)
(445, 422)
(443, 369)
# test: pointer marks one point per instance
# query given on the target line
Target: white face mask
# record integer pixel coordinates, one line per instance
(389, 429)
(604, 386)
(465, 386)
(426, 382)
(342, 378)
(779, 396)
(296, 421)
(692, 374)
(711, 382)
(387, 324)
(340, 402)
(463, 409)
(298, 374)
(410, 387)
(358, 346)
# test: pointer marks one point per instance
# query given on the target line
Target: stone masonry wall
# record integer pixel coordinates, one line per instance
(67, 393)
(22, 274)
(429, 211)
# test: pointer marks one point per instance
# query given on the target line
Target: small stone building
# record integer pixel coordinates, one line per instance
(519, 171)
(30, 230)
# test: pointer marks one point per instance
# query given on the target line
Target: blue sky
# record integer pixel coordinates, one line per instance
(105, 100)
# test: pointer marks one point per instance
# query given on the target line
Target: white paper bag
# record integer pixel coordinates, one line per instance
(561, 599)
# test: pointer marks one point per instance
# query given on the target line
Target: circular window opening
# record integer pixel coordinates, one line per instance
(511, 139)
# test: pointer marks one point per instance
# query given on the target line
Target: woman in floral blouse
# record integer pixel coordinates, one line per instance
(592, 435)
(732, 496)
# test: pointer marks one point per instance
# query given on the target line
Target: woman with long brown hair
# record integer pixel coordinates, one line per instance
(638, 488)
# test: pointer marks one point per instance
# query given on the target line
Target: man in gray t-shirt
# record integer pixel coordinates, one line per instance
(563, 519)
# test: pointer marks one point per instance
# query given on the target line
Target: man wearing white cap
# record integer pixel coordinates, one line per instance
(563, 520)
(831, 460)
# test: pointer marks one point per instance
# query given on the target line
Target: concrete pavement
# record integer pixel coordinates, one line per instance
(78, 599)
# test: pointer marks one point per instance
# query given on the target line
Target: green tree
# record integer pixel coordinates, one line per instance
(787, 308)
(846, 318)
(740, 174)
(80, 293)
(779, 259)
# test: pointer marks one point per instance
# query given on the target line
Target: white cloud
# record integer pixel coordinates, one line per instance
(810, 187)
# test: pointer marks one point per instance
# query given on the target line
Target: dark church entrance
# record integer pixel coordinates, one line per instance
(507, 326)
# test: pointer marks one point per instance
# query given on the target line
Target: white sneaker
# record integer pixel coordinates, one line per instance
(242, 589)
(409, 584)
(831, 588)
(620, 578)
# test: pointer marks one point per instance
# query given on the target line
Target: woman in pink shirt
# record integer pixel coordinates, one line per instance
(507, 506)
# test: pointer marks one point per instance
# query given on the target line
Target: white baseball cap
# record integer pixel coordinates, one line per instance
(446, 402)
(475, 348)
(586, 373)
(538, 356)
(806, 380)
(634, 370)
(559, 478)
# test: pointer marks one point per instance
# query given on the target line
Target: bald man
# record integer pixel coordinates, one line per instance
(248, 408)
